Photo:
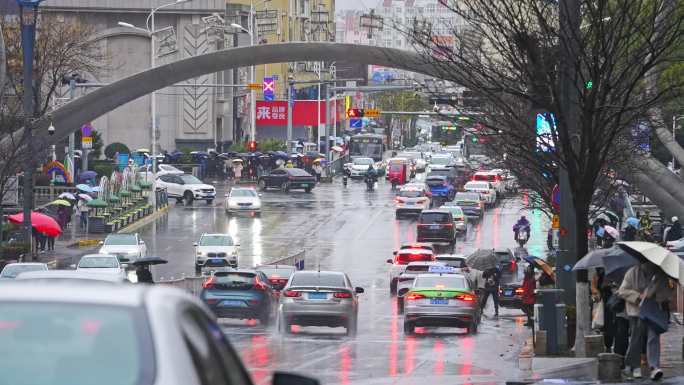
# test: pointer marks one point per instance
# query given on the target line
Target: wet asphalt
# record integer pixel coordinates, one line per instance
(355, 231)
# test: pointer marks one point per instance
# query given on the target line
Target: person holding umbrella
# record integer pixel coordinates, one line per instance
(142, 268)
(492, 281)
(529, 285)
(675, 231)
(631, 229)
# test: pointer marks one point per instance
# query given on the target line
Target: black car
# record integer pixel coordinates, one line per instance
(508, 262)
(278, 275)
(510, 295)
(243, 294)
(436, 226)
(287, 179)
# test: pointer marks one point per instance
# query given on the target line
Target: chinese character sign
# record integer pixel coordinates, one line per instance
(274, 113)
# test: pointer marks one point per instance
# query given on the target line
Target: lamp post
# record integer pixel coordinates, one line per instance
(150, 29)
(28, 17)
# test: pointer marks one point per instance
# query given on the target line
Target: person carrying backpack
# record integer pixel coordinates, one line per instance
(492, 279)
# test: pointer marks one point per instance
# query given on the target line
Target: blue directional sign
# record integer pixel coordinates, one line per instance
(269, 89)
(355, 123)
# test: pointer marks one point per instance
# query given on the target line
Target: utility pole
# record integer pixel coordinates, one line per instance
(372, 22)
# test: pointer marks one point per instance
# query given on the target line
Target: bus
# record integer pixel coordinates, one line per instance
(367, 146)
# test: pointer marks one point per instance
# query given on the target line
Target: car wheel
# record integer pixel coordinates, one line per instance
(210, 201)
(179, 200)
(397, 215)
(408, 328)
(262, 185)
(307, 190)
(472, 328)
(351, 327)
(285, 186)
(283, 326)
(400, 305)
(188, 198)
(393, 287)
(198, 270)
(257, 214)
(265, 319)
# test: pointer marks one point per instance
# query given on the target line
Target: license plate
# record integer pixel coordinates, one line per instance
(508, 293)
(318, 295)
(434, 227)
(439, 301)
(409, 203)
(216, 260)
(232, 303)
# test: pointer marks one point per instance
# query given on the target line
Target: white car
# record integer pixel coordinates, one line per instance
(12, 270)
(493, 177)
(405, 280)
(243, 200)
(186, 188)
(418, 159)
(359, 167)
(215, 250)
(441, 161)
(485, 189)
(128, 246)
(412, 198)
(145, 172)
(102, 264)
(401, 259)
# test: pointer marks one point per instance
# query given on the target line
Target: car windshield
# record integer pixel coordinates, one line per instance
(216, 240)
(363, 161)
(467, 197)
(441, 160)
(455, 210)
(11, 271)
(234, 280)
(121, 240)
(439, 173)
(98, 262)
(51, 343)
(453, 262)
(412, 155)
(417, 268)
(189, 179)
(167, 168)
(434, 217)
(504, 256)
(395, 167)
(478, 185)
(435, 181)
(241, 193)
(411, 193)
(441, 282)
(317, 279)
(280, 271)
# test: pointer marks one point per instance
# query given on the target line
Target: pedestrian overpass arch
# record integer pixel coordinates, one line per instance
(71, 116)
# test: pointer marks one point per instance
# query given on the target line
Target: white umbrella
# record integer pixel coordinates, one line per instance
(612, 231)
(658, 255)
(85, 196)
(67, 195)
(337, 148)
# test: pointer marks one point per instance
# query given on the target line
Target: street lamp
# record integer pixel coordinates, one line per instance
(28, 17)
(151, 30)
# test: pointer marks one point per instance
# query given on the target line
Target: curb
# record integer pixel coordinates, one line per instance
(84, 243)
(138, 224)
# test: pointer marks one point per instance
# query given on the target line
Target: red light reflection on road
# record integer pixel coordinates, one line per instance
(251, 322)
(439, 357)
(467, 351)
(394, 345)
(258, 357)
(526, 198)
(409, 354)
(345, 364)
(495, 223)
(478, 237)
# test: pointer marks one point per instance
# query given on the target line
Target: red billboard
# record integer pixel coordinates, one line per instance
(274, 113)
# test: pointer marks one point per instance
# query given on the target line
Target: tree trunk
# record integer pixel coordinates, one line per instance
(3, 67)
(582, 295)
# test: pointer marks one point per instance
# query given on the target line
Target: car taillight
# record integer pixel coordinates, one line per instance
(465, 297)
(212, 301)
(259, 285)
(414, 296)
(342, 294)
(292, 293)
(397, 200)
(519, 291)
(448, 224)
(513, 265)
(209, 283)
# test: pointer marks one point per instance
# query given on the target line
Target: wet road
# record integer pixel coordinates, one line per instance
(355, 231)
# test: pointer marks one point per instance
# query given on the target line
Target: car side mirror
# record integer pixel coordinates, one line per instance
(141, 242)
(389, 260)
(124, 266)
(72, 266)
(101, 243)
(394, 252)
(237, 244)
(358, 290)
(195, 244)
(282, 378)
(124, 260)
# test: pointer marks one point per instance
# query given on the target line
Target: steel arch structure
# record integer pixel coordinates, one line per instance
(72, 115)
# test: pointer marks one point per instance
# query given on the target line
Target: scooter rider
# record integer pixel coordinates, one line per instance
(522, 224)
(371, 176)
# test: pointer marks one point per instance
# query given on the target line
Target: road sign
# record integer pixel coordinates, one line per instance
(269, 89)
(355, 123)
(254, 86)
(371, 113)
(87, 142)
(555, 222)
(87, 129)
(556, 197)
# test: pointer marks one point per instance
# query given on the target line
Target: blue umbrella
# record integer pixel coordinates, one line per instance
(84, 188)
(631, 221)
(88, 174)
(600, 232)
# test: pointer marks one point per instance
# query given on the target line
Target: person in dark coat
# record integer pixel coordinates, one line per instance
(492, 280)
(630, 233)
(675, 232)
(144, 274)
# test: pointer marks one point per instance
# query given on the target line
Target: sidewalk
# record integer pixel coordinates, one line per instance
(67, 250)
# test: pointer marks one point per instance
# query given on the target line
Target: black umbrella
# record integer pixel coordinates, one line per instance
(611, 259)
(482, 259)
(150, 261)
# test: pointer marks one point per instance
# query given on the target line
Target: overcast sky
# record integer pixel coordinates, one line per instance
(355, 4)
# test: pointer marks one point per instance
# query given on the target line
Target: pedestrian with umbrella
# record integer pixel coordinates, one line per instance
(631, 229)
(82, 210)
(142, 268)
(675, 231)
(529, 285)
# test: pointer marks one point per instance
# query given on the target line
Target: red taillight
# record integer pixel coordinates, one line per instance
(212, 301)
(414, 296)
(253, 301)
(209, 283)
(465, 297)
(519, 291)
(397, 200)
(342, 294)
(513, 265)
(292, 293)
(448, 224)
(259, 285)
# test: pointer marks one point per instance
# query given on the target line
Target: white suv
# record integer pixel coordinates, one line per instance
(412, 198)
(492, 177)
(485, 189)
(215, 250)
(186, 188)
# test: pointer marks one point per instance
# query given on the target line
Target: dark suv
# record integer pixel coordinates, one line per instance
(436, 226)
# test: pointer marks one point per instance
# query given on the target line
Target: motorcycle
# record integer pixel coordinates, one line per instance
(370, 182)
(522, 236)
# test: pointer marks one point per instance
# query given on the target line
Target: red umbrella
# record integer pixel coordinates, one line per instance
(41, 223)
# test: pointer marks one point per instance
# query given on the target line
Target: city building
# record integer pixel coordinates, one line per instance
(196, 114)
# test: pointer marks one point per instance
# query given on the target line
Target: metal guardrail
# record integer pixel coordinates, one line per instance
(193, 285)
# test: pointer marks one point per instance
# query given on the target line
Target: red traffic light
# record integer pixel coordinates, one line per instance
(355, 113)
(252, 146)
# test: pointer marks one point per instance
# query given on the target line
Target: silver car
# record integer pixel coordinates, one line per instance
(82, 333)
(12, 270)
(441, 299)
(319, 298)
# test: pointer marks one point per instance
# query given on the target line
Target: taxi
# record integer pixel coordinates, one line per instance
(412, 198)
(401, 259)
(405, 280)
(441, 298)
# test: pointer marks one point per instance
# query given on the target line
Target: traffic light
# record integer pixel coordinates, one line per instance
(355, 113)
(474, 139)
(252, 146)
